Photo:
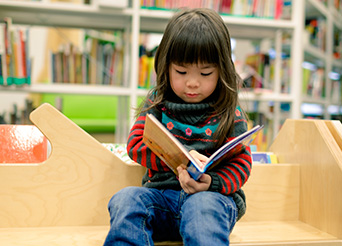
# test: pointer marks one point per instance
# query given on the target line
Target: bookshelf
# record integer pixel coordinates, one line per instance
(322, 56)
(134, 20)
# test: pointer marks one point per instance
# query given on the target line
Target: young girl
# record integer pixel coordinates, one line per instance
(196, 97)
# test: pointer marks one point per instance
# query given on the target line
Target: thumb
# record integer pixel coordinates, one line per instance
(205, 178)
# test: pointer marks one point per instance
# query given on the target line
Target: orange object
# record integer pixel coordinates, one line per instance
(22, 144)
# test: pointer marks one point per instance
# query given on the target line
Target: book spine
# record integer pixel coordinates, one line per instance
(193, 171)
(3, 54)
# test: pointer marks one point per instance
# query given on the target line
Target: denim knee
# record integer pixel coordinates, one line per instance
(128, 218)
(212, 214)
(123, 197)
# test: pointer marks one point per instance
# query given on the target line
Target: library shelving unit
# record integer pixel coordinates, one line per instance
(322, 55)
(134, 20)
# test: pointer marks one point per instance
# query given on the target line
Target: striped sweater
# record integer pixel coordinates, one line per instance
(194, 126)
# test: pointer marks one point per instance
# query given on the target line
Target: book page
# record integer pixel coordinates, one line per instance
(244, 139)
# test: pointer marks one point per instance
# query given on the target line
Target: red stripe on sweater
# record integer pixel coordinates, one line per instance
(234, 173)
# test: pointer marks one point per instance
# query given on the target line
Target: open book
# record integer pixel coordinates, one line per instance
(173, 153)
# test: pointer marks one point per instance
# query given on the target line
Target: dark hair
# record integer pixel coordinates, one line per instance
(199, 36)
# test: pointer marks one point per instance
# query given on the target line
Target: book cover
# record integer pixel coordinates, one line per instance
(173, 153)
(264, 158)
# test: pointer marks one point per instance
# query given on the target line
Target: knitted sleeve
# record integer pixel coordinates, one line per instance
(137, 150)
(231, 174)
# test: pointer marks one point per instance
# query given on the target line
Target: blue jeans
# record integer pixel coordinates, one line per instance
(140, 215)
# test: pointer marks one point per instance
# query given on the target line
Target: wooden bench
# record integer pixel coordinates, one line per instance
(63, 201)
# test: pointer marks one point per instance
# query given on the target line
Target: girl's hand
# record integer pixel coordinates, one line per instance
(188, 184)
(201, 159)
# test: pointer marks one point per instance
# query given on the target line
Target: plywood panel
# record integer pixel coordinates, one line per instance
(311, 143)
(54, 236)
(272, 193)
(277, 231)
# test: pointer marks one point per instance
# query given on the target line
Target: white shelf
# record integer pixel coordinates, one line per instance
(309, 99)
(265, 96)
(314, 52)
(337, 63)
(105, 90)
(316, 8)
(65, 14)
(239, 27)
(108, 90)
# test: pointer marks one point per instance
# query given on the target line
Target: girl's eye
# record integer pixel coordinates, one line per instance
(180, 72)
(206, 74)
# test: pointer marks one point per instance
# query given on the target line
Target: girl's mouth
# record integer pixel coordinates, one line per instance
(191, 95)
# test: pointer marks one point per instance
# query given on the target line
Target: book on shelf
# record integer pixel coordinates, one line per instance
(14, 55)
(99, 62)
(3, 65)
(273, 9)
(147, 75)
(336, 91)
(285, 75)
(337, 44)
(173, 153)
(259, 67)
(264, 158)
(317, 29)
(261, 116)
(313, 84)
(106, 57)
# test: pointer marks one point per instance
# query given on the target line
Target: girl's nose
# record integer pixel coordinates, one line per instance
(192, 83)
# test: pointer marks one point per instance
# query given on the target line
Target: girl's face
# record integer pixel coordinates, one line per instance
(193, 82)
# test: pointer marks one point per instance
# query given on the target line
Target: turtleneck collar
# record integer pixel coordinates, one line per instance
(189, 113)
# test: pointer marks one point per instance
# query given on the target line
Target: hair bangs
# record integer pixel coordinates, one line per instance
(192, 46)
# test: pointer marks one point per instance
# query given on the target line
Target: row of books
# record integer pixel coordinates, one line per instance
(15, 63)
(264, 158)
(274, 9)
(338, 5)
(259, 72)
(18, 114)
(317, 28)
(337, 43)
(100, 62)
(258, 67)
(313, 84)
(336, 90)
(147, 74)
(265, 136)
